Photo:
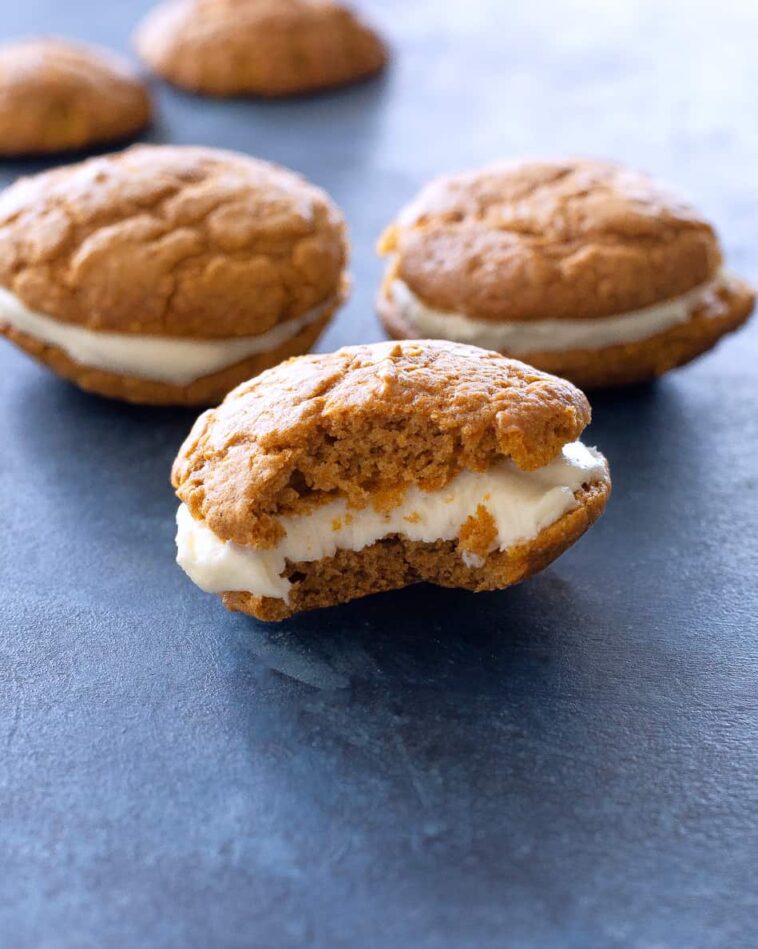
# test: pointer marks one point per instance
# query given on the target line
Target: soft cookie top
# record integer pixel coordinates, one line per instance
(364, 423)
(170, 240)
(56, 95)
(259, 47)
(549, 239)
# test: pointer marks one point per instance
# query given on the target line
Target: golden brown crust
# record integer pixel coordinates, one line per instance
(396, 562)
(549, 240)
(362, 421)
(56, 95)
(208, 390)
(258, 47)
(722, 311)
(173, 241)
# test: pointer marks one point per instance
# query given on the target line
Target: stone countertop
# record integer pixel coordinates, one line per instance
(570, 763)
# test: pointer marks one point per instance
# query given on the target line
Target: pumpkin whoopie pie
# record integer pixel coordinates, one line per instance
(56, 95)
(582, 268)
(333, 476)
(166, 274)
(264, 48)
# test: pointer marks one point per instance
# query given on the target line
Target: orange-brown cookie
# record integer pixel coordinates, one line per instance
(168, 274)
(330, 477)
(258, 47)
(56, 95)
(579, 267)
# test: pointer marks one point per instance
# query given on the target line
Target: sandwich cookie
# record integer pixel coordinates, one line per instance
(330, 477)
(167, 275)
(56, 95)
(258, 47)
(581, 268)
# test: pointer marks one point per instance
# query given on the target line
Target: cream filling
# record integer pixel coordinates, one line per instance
(519, 338)
(521, 504)
(167, 359)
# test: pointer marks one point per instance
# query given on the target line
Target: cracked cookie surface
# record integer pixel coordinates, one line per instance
(544, 240)
(171, 240)
(258, 47)
(366, 422)
(56, 95)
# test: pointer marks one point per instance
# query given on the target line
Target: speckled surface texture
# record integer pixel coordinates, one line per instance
(570, 763)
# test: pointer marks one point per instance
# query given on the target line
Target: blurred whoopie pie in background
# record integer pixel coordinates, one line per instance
(56, 95)
(259, 47)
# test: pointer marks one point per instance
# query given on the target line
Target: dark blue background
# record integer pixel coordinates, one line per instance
(570, 763)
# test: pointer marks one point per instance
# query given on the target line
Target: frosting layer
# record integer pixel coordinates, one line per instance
(519, 338)
(161, 358)
(519, 504)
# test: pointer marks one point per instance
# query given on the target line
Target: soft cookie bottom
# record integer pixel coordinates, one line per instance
(724, 311)
(395, 562)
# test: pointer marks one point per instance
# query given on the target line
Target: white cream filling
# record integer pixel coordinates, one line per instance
(169, 359)
(520, 338)
(521, 504)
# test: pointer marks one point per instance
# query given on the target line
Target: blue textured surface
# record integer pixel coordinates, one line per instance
(567, 764)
